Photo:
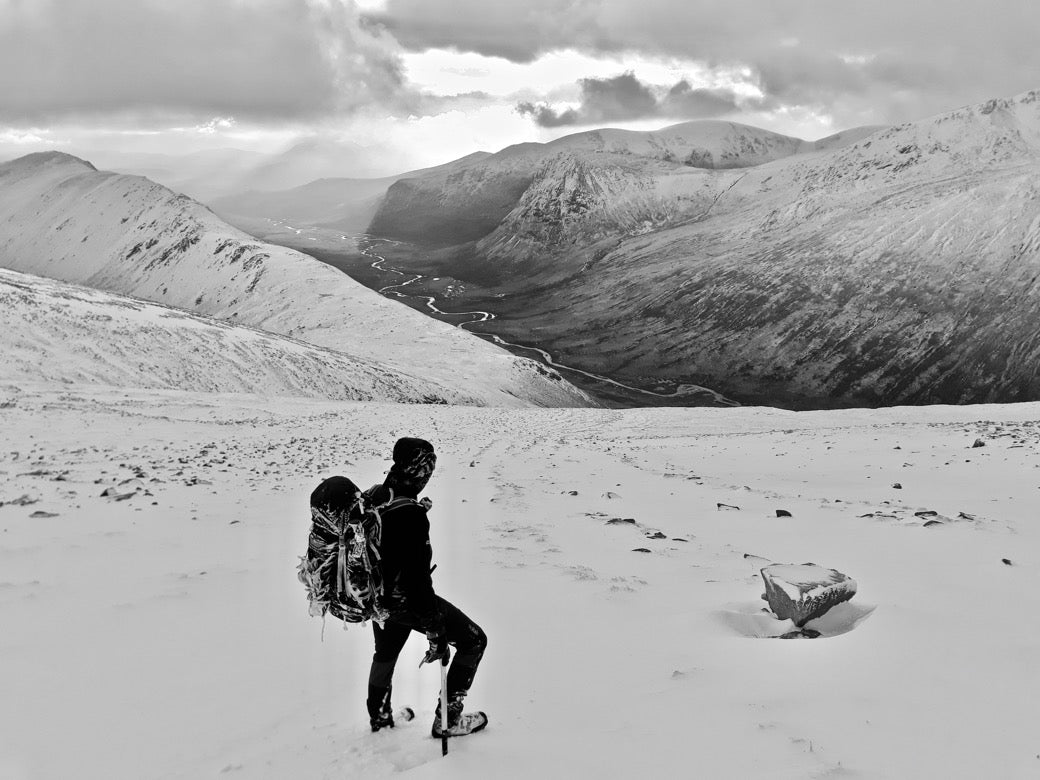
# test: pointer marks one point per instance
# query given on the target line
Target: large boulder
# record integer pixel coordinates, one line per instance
(801, 592)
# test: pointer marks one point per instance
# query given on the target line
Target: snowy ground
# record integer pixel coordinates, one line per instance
(165, 635)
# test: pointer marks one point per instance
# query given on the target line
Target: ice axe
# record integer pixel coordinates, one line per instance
(444, 705)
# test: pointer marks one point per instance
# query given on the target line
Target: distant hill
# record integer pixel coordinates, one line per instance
(554, 181)
(61, 218)
(342, 203)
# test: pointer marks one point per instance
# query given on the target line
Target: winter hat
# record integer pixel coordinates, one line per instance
(414, 461)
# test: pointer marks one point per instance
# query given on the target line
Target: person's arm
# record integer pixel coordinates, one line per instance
(416, 583)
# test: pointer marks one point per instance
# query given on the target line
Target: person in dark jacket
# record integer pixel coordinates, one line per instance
(411, 602)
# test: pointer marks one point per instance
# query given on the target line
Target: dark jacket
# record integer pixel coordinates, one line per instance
(406, 558)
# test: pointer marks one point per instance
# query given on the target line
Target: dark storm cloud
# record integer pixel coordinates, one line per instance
(625, 97)
(257, 59)
(886, 55)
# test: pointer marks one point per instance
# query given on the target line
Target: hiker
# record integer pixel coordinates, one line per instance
(411, 603)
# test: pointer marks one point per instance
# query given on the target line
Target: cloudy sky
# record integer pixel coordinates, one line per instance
(417, 82)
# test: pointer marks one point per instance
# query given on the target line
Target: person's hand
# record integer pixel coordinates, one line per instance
(438, 650)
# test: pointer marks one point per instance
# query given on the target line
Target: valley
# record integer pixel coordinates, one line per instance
(420, 289)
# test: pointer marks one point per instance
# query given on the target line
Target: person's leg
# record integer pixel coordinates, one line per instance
(389, 641)
(469, 642)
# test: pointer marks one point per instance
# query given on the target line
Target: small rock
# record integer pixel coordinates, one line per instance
(39, 513)
(656, 535)
(726, 506)
(933, 522)
(926, 513)
(782, 513)
(965, 516)
(609, 494)
(620, 520)
(640, 549)
(572, 492)
(1006, 561)
(897, 486)
(978, 443)
(23, 500)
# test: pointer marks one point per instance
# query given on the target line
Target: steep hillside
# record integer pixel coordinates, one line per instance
(901, 268)
(60, 218)
(55, 332)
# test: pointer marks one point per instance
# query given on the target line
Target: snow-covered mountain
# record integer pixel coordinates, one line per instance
(890, 266)
(572, 175)
(58, 333)
(62, 219)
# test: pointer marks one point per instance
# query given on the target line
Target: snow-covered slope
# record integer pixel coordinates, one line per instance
(165, 635)
(62, 219)
(60, 333)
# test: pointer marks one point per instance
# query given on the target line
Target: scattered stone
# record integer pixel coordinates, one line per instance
(726, 506)
(23, 500)
(897, 486)
(609, 494)
(621, 520)
(803, 592)
(978, 443)
(1006, 561)
(679, 539)
(656, 535)
(803, 633)
(39, 513)
(782, 513)
(965, 516)
(640, 549)
(757, 560)
(115, 495)
(933, 522)
(572, 492)
(234, 521)
(926, 513)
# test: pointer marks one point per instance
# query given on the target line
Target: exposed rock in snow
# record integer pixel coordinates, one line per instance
(801, 592)
(61, 218)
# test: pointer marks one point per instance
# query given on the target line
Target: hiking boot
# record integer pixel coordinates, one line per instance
(459, 723)
(380, 715)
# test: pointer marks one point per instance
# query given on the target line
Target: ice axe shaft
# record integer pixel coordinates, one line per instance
(444, 706)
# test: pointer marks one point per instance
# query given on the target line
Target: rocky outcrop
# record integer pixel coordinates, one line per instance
(802, 592)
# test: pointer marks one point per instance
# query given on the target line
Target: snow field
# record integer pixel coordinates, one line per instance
(172, 640)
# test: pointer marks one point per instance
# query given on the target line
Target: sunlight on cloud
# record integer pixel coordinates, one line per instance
(444, 72)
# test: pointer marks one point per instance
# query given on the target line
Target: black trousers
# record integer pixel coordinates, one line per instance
(462, 633)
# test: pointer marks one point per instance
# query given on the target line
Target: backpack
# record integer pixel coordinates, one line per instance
(341, 570)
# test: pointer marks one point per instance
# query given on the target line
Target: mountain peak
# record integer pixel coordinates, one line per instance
(49, 158)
